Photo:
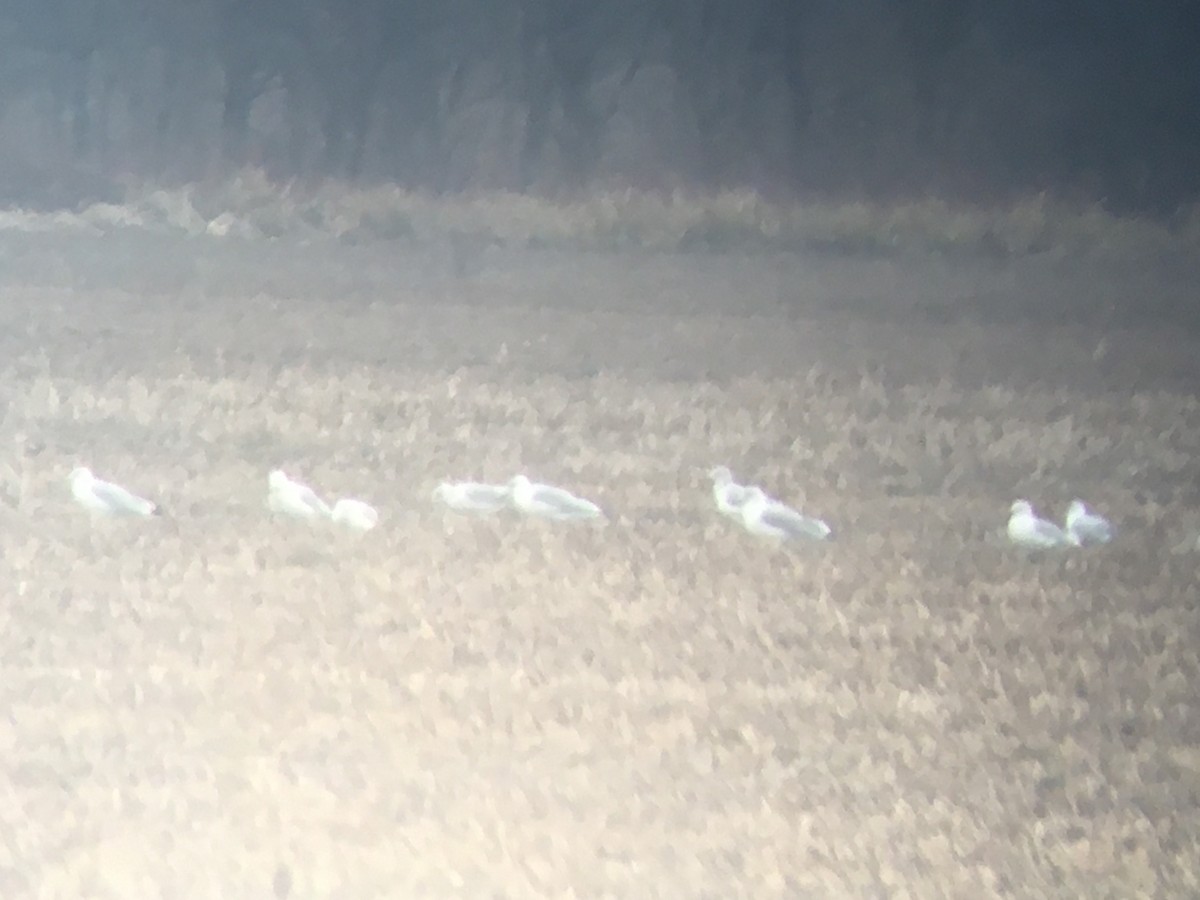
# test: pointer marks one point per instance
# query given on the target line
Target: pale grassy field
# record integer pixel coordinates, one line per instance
(216, 705)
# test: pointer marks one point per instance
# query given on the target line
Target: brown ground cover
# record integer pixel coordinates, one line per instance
(218, 705)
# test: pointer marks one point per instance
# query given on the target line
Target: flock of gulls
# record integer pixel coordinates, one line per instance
(747, 505)
(1081, 528)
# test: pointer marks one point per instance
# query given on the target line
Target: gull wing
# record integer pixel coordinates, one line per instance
(308, 497)
(295, 499)
(485, 497)
(794, 524)
(118, 500)
(355, 514)
(564, 504)
(473, 496)
(1091, 529)
(1036, 532)
(1086, 527)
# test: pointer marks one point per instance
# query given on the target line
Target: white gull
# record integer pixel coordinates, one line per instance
(473, 496)
(1085, 527)
(766, 517)
(105, 498)
(354, 514)
(549, 502)
(1027, 530)
(291, 498)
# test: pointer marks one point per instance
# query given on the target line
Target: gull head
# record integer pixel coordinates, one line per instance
(720, 475)
(1022, 508)
(441, 491)
(1077, 510)
(277, 479)
(81, 475)
(520, 491)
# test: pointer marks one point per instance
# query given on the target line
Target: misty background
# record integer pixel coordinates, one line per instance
(961, 99)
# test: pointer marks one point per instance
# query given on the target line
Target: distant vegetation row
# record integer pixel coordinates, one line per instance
(253, 206)
(873, 100)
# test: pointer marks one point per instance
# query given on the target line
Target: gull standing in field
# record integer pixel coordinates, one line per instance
(107, 499)
(354, 514)
(291, 498)
(1027, 530)
(727, 493)
(766, 517)
(473, 496)
(1085, 527)
(549, 502)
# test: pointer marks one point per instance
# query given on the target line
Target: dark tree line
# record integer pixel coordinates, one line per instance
(876, 98)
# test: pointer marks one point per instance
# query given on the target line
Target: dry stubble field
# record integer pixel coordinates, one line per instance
(216, 705)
